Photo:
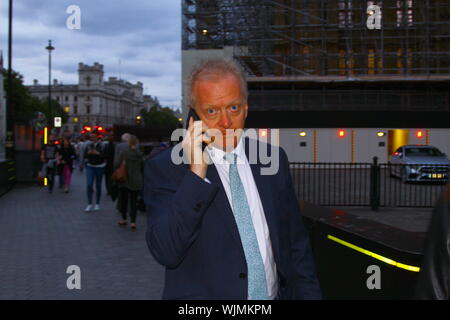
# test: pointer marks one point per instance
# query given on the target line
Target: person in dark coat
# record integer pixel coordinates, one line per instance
(66, 156)
(109, 157)
(129, 190)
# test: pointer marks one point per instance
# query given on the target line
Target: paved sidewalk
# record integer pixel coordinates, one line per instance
(41, 234)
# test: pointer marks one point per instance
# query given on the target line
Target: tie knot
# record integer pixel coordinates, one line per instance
(230, 158)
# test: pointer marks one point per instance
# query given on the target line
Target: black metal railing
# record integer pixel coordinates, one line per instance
(369, 184)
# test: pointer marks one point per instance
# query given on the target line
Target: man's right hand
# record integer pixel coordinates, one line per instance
(192, 147)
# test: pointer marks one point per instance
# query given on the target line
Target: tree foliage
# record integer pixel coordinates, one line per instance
(159, 118)
(25, 106)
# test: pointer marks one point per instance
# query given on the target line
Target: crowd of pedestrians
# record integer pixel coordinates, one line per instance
(98, 157)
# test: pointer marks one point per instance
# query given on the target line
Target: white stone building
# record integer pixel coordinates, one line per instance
(94, 101)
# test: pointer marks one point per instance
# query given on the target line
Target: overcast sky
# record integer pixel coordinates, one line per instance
(145, 35)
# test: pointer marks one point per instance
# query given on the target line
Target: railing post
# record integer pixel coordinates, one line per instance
(375, 184)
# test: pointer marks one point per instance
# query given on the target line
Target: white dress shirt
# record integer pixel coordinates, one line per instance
(255, 205)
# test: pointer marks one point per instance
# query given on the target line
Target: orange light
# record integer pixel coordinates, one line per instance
(341, 133)
(419, 134)
(263, 132)
(100, 128)
(87, 128)
(56, 142)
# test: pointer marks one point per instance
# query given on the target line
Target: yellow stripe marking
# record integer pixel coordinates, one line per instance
(374, 255)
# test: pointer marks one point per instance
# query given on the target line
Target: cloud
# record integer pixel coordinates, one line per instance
(144, 35)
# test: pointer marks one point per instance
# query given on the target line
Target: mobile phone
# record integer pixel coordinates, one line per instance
(194, 115)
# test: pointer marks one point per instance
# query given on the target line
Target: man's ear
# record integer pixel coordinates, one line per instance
(246, 110)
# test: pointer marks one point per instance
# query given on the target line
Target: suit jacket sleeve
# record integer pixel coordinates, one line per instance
(175, 210)
(306, 284)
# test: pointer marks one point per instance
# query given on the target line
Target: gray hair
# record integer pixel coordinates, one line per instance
(125, 137)
(213, 69)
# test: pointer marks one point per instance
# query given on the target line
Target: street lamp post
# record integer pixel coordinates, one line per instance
(9, 143)
(50, 48)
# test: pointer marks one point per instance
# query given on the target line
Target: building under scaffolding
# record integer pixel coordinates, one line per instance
(320, 54)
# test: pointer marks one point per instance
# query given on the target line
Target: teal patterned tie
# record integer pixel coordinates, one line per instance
(257, 284)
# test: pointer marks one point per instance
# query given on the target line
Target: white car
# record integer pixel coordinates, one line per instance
(419, 163)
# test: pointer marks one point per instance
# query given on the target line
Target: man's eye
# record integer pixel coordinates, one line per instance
(211, 111)
(234, 108)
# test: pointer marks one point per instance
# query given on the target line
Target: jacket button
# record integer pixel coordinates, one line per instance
(199, 205)
(242, 275)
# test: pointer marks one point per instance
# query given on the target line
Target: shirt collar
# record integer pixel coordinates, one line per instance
(217, 155)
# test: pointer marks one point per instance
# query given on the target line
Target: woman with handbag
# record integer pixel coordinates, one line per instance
(129, 170)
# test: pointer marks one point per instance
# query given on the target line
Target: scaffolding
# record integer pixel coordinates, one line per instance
(319, 39)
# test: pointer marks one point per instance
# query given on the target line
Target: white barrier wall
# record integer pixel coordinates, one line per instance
(329, 147)
(367, 144)
(298, 149)
(440, 138)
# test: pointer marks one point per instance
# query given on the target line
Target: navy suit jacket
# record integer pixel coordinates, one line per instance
(193, 233)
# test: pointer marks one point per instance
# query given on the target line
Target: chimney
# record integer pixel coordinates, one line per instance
(55, 82)
(35, 82)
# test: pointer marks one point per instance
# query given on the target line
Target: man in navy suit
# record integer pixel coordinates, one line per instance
(222, 229)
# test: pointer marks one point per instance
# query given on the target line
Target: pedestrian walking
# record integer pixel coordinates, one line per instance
(84, 141)
(48, 159)
(121, 146)
(95, 167)
(66, 157)
(109, 157)
(59, 165)
(133, 160)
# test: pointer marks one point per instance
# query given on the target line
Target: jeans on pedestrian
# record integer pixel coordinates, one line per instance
(93, 173)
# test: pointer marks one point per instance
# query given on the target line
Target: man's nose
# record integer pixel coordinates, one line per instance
(225, 120)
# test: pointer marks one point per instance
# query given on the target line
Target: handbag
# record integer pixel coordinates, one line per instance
(120, 174)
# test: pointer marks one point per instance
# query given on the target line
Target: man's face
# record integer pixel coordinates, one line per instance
(220, 105)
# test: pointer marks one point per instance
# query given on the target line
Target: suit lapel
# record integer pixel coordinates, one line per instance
(222, 205)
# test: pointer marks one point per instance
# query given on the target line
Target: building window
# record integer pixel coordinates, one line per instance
(67, 98)
(75, 98)
(75, 109)
(404, 10)
(88, 81)
(57, 98)
(345, 13)
(88, 109)
(88, 98)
